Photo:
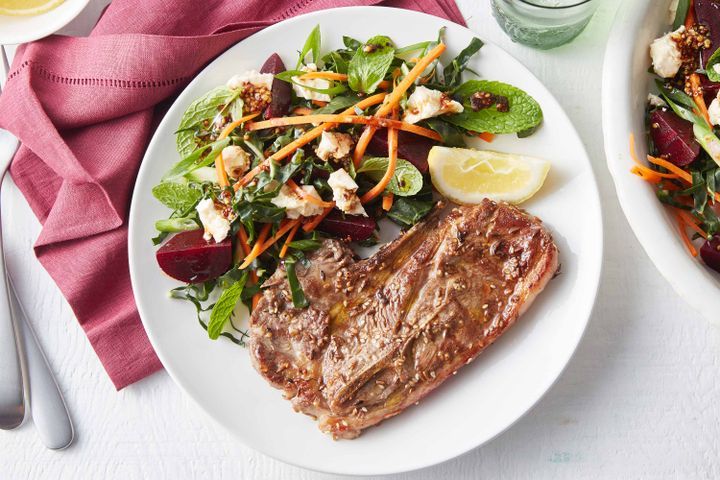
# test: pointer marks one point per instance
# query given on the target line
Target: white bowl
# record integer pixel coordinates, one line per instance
(625, 86)
(14, 30)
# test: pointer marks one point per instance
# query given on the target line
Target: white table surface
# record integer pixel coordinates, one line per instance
(641, 397)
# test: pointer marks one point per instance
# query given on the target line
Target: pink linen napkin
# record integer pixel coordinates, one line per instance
(85, 109)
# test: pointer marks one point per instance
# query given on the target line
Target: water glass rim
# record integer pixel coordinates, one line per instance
(559, 7)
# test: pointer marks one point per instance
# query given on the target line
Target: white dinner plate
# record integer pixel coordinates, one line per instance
(625, 86)
(469, 409)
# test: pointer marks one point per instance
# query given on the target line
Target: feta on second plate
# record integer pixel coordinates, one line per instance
(294, 205)
(236, 160)
(253, 77)
(426, 103)
(215, 224)
(345, 193)
(666, 55)
(319, 83)
(714, 111)
(655, 101)
(334, 145)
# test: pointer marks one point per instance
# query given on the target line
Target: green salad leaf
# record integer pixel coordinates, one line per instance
(202, 109)
(176, 224)
(712, 67)
(224, 307)
(524, 113)
(408, 211)
(681, 13)
(406, 181)
(312, 44)
(196, 159)
(370, 64)
(177, 196)
(452, 72)
(338, 103)
(304, 245)
(296, 292)
(451, 135)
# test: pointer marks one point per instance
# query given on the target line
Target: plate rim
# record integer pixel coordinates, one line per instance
(688, 283)
(594, 262)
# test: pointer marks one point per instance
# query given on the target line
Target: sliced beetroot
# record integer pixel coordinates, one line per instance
(710, 252)
(355, 227)
(411, 147)
(710, 89)
(707, 12)
(188, 257)
(673, 137)
(281, 91)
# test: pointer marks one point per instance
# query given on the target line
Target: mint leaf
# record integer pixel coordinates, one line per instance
(176, 196)
(196, 159)
(524, 113)
(203, 108)
(406, 181)
(370, 64)
(408, 211)
(312, 44)
(224, 307)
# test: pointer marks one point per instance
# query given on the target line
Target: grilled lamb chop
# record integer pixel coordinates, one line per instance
(382, 333)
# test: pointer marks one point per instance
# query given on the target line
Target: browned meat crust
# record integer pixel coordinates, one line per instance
(383, 332)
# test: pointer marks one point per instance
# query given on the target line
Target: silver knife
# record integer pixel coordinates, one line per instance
(47, 405)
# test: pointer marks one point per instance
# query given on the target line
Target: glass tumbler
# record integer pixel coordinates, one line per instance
(543, 24)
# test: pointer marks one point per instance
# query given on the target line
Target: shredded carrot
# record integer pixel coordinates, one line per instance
(669, 166)
(313, 222)
(257, 247)
(337, 76)
(305, 139)
(486, 136)
(260, 247)
(690, 18)
(242, 247)
(393, 99)
(219, 163)
(697, 95)
(340, 118)
(303, 111)
(286, 245)
(255, 300)
(319, 103)
(306, 196)
(646, 174)
(684, 236)
(691, 222)
(387, 201)
(392, 162)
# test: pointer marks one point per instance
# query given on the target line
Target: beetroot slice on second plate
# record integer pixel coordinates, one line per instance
(281, 91)
(673, 137)
(710, 252)
(707, 12)
(356, 227)
(188, 257)
(411, 147)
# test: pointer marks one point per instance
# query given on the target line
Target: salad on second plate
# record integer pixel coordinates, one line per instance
(276, 159)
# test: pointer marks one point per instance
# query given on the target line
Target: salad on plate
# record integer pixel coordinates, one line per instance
(338, 146)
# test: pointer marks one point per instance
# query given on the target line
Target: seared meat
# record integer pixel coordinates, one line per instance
(381, 333)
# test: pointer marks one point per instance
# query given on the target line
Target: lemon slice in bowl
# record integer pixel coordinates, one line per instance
(467, 176)
(27, 7)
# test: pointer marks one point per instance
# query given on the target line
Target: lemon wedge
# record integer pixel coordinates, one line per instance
(467, 176)
(27, 7)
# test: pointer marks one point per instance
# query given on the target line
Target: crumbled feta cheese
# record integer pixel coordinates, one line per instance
(319, 83)
(345, 193)
(425, 103)
(655, 101)
(215, 224)
(294, 205)
(714, 111)
(334, 145)
(236, 160)
(665, 54)
(251, 76)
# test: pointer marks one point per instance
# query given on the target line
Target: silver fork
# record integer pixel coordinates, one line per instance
(17, 342)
